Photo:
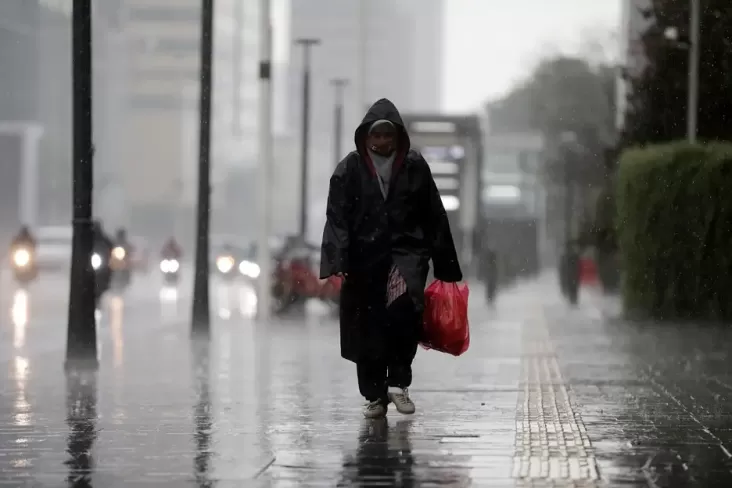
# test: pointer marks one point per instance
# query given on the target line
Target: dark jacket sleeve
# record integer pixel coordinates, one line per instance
(334, 249)
(444, 255)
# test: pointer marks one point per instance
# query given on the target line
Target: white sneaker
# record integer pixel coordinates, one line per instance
(400, 398)
(375, 409)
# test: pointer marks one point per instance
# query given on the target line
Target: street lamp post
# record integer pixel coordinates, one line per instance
(362, 52)
(201, 316)
(81, 341)
(306, 44)
(339, 84)
(672, 34)
(264, 307)
(692, 105)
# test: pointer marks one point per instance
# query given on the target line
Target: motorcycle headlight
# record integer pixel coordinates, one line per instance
(169, 265)
(96, 261)
(21, 258)
(225, 264)
(250, 269)
(119, 253)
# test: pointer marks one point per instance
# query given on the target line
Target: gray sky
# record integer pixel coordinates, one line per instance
(493, 43)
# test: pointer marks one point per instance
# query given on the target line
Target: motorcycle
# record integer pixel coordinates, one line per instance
(171, 271)
(226, 266)
(294, 282)
(120, 267)
(24, 265)
(103, 274)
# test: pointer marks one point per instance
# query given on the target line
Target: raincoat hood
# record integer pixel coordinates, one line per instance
(383, 109)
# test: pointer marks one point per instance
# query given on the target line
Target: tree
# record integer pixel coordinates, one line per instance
(657, 101)
(565, 94)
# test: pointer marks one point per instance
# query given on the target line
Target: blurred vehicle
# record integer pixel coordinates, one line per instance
(171, 271)
(227, 254)
(22, 256)
(101, 258)
(103, 275)
(23, 263)
(170, 256)
(121, 267)
(139, 259)
(53, 250)
(295, 276)
(120, 261)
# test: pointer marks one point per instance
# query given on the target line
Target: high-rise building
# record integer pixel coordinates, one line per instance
(385, 48)
(633, 24)
(19, 127)
(36, 103)
(164, 77)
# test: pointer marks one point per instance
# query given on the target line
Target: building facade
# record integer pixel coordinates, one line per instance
(633, 24)
(164, 71)
(383, 48)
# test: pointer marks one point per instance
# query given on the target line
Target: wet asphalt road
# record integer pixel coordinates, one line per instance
(546, 396)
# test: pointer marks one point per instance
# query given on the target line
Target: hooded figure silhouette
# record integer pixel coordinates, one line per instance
(385, 221)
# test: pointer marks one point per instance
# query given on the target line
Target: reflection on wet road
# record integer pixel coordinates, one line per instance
(545, 397)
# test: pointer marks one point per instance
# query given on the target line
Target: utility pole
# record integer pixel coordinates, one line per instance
(339, 84)
(236, 65)
(362, 62)
(201, 316)
(266, 161)
(306, 44)
(693, 101)
(81, 340)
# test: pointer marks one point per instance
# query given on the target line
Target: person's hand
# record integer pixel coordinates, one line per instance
(342, 276)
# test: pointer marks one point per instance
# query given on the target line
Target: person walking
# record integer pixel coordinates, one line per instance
(385, 221)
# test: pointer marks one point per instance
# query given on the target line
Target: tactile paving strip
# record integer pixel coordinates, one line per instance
(552, 445)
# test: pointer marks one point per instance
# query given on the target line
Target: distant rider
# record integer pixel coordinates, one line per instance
(24, 238)
(103, 245)
(171, 249)
(122, 240)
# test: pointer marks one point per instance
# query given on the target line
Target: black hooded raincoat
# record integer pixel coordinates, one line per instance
(364, 233)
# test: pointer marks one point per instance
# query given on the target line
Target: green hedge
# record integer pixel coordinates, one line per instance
(674, 227)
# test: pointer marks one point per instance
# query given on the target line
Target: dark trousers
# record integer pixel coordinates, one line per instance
(400, 335)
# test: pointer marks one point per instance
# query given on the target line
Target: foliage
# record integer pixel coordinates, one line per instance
(674, 208)
(564, 94)
(657, 100)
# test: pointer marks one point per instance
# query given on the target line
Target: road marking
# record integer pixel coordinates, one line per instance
(551, 440)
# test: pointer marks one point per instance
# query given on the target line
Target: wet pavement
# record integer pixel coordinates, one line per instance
(546, 396)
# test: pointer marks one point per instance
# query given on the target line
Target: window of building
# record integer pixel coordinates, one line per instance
(166, 14)
(502, 162)
(158, 102)
(166, 74)
(178, 46)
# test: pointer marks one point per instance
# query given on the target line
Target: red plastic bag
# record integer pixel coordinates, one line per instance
(446, 318)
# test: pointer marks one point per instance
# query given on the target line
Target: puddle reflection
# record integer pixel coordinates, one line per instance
(21, 406)
(203, 423)
(234, 299)
(81, 418)
(19, 315)
(116, 321)
(384, 455)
